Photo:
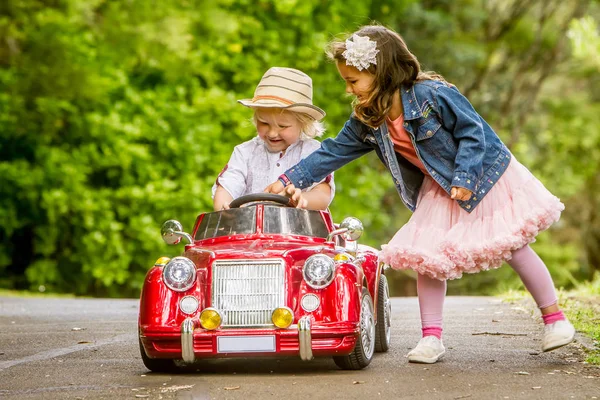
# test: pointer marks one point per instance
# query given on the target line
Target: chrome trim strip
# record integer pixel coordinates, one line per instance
(305, 339)
(187, 341)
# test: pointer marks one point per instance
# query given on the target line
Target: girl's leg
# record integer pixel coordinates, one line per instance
(537, 280)
(431, 304)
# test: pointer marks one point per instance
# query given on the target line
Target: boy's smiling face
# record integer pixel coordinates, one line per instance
(279, 129)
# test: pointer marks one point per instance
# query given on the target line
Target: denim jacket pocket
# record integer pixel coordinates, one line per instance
(428, 129)
(370, 138)
(436, 146)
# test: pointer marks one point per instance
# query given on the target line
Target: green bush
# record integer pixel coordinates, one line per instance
(118, 115)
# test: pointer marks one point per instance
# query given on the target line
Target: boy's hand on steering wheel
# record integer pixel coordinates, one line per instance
(460, 193)
(275, 187)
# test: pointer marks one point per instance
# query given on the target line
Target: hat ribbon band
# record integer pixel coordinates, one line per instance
(286, 101)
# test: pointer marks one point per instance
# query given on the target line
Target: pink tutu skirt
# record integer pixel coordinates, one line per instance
(444, 241)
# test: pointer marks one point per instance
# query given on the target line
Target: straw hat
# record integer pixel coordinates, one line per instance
(286, 88)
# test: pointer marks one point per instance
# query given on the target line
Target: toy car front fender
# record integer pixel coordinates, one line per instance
(339, 302)
(160, 306)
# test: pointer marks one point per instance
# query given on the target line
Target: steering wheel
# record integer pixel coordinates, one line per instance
(262, 198)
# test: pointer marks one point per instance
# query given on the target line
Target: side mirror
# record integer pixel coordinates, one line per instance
(172, 232)
(350, 227)
(354, 228)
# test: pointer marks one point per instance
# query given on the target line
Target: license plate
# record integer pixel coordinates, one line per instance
(245, 344)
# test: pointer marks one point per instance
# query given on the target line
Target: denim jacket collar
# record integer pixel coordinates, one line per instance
(409, 103)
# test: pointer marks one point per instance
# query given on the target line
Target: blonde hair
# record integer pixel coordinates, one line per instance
(309, 127)
(396, 66)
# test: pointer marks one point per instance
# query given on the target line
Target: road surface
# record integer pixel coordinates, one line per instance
(87, 349)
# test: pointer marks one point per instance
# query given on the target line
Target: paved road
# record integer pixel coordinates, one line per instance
(87, 349)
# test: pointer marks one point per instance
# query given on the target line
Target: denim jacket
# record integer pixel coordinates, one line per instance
(454, 143)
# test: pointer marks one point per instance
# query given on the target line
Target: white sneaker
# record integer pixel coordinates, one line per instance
(428, 351)
(557, 335)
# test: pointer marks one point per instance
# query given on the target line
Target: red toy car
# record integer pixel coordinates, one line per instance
(265, 279)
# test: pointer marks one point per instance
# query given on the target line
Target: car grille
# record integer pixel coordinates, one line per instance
(247, 291)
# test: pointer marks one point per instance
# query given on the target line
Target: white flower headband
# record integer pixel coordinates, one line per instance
(360, 52)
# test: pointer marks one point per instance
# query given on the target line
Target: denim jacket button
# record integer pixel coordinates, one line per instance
(429, 133)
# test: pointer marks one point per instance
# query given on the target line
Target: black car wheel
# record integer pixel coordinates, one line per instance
(363, 352)
(383, 330)
(157, 364)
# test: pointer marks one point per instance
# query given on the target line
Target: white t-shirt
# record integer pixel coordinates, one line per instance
(252, 167)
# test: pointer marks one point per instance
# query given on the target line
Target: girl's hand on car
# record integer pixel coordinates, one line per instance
(460, 193)
(298, 200)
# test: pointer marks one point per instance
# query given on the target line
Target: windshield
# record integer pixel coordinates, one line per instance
(277, 220)
(235, 221)
(294, 221)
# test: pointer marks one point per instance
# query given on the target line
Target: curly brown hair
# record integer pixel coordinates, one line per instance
(396, 66)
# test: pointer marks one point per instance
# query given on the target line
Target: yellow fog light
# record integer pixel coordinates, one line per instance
(210, 319)
(161, 262)
(282, 317)
(341, 257)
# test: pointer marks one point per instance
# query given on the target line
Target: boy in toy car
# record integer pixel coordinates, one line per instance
(286, 123)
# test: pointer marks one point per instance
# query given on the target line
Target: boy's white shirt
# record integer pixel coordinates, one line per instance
(252, 167)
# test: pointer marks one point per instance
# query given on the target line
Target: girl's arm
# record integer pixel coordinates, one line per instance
(334, 153)
(222, 199)
(318, 198)
(459, 117)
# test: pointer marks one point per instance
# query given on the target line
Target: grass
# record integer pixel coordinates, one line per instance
(582, 306)
(24, 293)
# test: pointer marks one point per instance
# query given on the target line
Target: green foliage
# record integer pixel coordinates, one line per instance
(118, 115)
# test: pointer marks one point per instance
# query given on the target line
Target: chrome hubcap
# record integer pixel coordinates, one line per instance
(387, 314)
(367, 327)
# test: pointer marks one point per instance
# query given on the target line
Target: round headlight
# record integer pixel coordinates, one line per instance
(318, 271)
(189, 304)
(179, 274)
(310, 302)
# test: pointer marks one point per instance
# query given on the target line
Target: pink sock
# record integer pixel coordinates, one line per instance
(553, 317)
(432, 331)
(535, 276)
(431, 304)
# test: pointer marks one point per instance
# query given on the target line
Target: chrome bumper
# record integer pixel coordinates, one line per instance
(187, 341)
(304, 339)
